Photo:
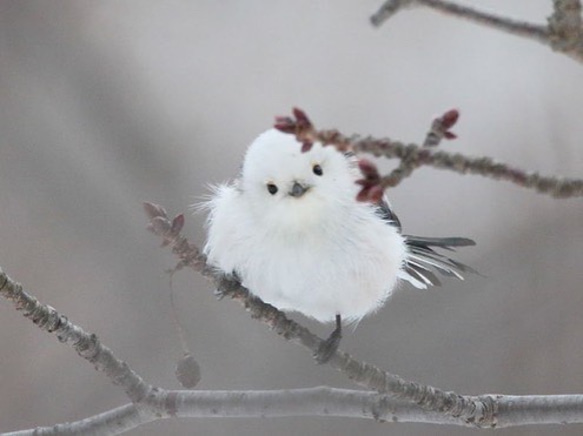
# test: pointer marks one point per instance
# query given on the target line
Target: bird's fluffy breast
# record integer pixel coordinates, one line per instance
(347, 265)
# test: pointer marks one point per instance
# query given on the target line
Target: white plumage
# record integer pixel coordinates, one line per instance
(292, 230)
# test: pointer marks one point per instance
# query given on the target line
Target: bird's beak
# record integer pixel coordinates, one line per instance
(298, 190)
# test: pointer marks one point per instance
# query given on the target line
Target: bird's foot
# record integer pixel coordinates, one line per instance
(328, 347)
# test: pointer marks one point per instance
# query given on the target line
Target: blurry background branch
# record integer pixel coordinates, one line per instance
(564, 32)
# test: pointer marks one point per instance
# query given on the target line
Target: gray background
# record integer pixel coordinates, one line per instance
(107, 104)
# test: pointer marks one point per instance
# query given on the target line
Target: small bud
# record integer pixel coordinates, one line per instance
(440, 128)
(375, 194)
(449, 118)
(372, 193)
(177, 224)
(363, 194)
(307, 146)
(154, 210)
(188, 371)
(285, 124)
(160, 224)
(368, 169)
(302, 119)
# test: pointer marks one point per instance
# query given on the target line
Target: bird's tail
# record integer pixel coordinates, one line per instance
(422, 260)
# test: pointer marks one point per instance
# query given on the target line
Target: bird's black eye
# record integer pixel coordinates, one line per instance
(272, 188)
(317, 169)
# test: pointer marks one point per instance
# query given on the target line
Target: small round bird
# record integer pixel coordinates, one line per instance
(292, 231)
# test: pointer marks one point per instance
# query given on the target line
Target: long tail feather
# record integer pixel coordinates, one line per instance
(422, 259)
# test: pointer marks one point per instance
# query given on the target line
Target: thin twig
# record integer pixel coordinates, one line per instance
(176, 317)
(557, 187)
(515, 27)
(439, 130)
(387, 10)
(187, 369)
(416, 156)
(564, 32)
(112, 422)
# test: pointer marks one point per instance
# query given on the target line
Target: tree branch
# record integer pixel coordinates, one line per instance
(112, 422)
(438, 131)
(318, 401)
(557, 187)
(86, 345)
(415, 156)
(564, 32)
(396, 400)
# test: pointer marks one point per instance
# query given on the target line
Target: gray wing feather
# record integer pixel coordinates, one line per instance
(384, 211)
(422, 258)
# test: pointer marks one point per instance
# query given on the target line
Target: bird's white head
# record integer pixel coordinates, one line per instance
(293, 190)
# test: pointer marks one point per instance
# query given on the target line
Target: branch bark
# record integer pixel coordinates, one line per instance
(88, 346)
(413, 156)
(317, 401)
(563, 34)
(151, 403)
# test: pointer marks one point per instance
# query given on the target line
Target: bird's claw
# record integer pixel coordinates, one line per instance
(328, 347)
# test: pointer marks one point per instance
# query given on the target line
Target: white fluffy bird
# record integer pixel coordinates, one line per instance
(291, 229)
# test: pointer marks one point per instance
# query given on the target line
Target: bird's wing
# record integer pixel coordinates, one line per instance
(384, 211)
(422, 260)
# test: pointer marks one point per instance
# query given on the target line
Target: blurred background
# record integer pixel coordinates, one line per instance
(107, 104)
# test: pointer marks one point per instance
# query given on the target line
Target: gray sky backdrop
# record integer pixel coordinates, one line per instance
(106, 104)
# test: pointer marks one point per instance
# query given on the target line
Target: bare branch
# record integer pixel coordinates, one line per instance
(86, 345)
(518, 28)
(388, 9)
(112, 422)
(416, 156)
(440, 129)
(564, 32)
(565, 26)
(318, 401)
(557, 187)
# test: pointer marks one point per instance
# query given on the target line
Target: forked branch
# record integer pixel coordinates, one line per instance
(564, 32)
(413, 156)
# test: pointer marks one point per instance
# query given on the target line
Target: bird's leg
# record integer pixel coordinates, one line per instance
(330, 345)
